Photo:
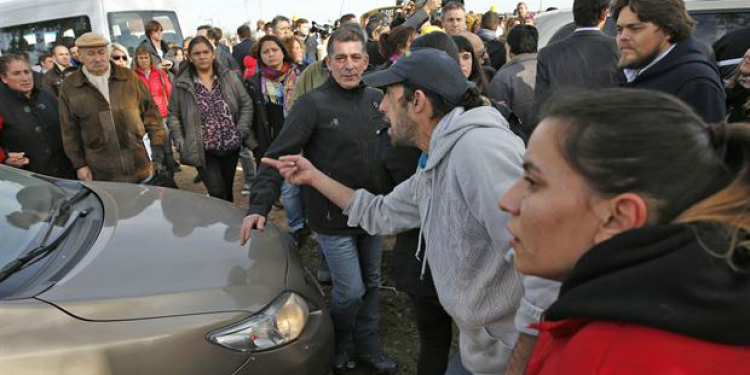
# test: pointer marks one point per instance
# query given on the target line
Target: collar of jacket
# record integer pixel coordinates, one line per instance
(78, 79)
(18, 95)
(672, 277)
(522, 57)
(346, 92)
(185, 79)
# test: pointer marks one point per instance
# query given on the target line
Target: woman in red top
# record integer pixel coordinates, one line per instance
(160, 86)
(157, 80)
(643, 212)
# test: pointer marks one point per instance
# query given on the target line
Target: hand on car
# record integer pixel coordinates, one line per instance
(294, 168)
(17, 159)
(251, 222)
(84, 174)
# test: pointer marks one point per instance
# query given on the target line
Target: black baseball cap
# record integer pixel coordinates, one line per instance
(427, 68)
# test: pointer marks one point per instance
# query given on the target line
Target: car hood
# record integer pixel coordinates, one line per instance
(164, 252)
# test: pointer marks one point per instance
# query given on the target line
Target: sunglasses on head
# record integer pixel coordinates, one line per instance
(118, 57)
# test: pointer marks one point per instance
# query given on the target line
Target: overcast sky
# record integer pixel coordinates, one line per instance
(229, 14)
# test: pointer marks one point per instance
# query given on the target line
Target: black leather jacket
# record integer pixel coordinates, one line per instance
(337, 130)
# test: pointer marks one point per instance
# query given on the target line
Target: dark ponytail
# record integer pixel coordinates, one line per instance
(654, 145)
(731, 205)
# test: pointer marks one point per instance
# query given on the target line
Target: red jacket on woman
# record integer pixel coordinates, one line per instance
(580, 347)
(159, 86)
(652, 301)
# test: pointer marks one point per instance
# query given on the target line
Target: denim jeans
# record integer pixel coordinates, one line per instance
(354, 262)
(456, 367)
(291, 197)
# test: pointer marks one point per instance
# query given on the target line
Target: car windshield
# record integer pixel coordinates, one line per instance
(26, 204)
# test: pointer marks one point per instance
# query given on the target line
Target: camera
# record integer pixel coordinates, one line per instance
(323, 30)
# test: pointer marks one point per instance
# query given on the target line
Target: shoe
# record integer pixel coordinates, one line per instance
(342, 364)
(197, 179)
(380, 362)
(324, 276)
(246, 189)
(299, 235)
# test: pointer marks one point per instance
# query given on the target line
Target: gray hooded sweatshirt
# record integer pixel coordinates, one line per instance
(473, 159)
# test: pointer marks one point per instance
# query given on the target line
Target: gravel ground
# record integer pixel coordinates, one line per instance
(398, 333)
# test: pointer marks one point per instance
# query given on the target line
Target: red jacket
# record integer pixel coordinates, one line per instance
(581, 347)
(159, 86)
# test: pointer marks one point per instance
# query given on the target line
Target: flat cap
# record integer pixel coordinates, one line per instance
(89, 40)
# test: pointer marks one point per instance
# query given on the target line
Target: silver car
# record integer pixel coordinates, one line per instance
(713, 18)
(109, 278)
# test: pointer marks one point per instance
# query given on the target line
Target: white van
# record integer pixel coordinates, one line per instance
(35, 26)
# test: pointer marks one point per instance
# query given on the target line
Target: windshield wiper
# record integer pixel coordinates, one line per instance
(43, 249)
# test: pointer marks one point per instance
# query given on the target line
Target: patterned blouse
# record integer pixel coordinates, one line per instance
(219, 130)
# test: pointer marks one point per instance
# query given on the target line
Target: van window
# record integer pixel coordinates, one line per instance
(712, 26)
(129, 28)
(38, 38)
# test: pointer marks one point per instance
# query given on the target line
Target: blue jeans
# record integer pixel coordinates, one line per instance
(291, 197)
(354, 262)
(456, 367)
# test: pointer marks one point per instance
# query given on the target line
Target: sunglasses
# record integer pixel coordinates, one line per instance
(118, 57)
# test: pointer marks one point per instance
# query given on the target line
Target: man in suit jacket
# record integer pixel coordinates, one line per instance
(586, 59)
(244, 47)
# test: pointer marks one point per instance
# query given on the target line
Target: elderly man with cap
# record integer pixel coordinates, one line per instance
(105, 111)
(470, 159)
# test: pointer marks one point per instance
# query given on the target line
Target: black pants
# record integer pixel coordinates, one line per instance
(435, 329)
(218, 173)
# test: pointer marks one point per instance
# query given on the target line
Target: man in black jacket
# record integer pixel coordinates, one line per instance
(244, 47)
(63, 67)
(336, 127)
(657, 52)
(586, 59)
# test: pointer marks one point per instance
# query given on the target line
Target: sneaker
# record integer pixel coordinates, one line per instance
(246, 189)
(324, 276)
(342, 364)
(299, 235)
(380, 362)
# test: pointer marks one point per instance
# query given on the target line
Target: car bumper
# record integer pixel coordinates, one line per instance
(310, 354)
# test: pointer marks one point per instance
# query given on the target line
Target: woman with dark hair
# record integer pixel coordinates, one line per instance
(394, 43)
(271, 89)
(209, 116)
(30, 135)
(642, 210)
(470, 64)
(296, 48)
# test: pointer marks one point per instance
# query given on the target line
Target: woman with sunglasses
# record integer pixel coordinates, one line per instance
(119, 55)
(643, 212)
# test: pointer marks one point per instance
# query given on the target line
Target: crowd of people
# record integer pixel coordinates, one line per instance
(583, 208)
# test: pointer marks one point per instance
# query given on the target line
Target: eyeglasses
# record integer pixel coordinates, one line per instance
(118, 57)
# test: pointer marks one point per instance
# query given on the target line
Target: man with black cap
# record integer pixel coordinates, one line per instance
(105, 110)
(470, 159)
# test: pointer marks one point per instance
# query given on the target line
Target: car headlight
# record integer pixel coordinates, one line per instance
(280, 323)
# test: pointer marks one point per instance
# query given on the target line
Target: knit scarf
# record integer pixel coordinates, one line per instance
(272, 83)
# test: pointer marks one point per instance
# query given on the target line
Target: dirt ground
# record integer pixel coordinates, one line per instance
(398, 334)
